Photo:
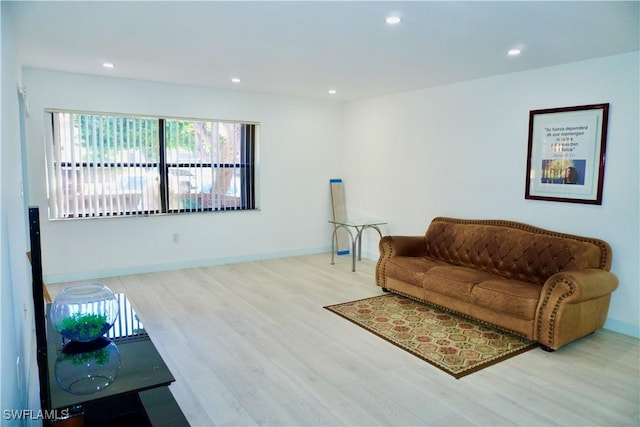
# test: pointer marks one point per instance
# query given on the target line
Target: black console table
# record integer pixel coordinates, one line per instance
(137, 396)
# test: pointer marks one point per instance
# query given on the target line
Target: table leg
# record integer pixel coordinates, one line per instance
(375, 227)
(356, 242)
(353, 255)
(334, 242)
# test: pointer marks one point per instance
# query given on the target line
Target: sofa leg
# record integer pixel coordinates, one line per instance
(547, 349)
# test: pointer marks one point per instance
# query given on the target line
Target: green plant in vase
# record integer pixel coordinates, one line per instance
(83, 326)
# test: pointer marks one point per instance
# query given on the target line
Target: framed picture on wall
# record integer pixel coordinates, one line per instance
(566, 154)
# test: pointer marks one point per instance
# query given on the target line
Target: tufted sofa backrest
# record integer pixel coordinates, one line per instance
(513, 250)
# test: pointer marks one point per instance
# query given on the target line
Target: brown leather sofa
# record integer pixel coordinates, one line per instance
(549, 287)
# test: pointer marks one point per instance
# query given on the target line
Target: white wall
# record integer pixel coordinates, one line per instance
(18, 378)
(460, 150)
(299, 143)
(456, 150)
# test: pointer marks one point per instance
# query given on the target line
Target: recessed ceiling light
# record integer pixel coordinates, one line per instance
(392, 20)
(332, 91)
(514, 52)
(235, 80)
(108, 65)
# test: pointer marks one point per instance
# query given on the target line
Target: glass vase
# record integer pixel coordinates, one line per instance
(84, 312)
(87, 367)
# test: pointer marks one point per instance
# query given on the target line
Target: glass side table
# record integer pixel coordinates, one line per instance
(356, 240)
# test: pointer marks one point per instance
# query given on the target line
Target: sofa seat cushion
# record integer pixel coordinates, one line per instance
(410, 269)
(454, 281)
(514, 297)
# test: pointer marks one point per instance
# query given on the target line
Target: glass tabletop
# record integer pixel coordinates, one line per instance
(357, 222)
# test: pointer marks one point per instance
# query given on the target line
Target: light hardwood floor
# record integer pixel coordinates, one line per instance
(250, 344)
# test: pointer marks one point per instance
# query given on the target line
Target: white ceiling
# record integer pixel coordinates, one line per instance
(305, 48)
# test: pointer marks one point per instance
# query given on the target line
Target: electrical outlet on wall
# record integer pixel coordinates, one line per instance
(176, 237)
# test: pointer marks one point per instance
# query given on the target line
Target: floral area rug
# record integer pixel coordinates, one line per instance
(453, 343)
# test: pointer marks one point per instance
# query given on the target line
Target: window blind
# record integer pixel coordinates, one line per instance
(113, 165)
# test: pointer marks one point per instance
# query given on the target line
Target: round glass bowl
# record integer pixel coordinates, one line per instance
(84, 312)
(87, 367)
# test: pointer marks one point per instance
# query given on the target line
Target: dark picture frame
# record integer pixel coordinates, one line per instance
(566, 154)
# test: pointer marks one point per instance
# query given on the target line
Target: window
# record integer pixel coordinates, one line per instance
(112, 165)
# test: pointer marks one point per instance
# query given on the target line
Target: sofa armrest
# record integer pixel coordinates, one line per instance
(580, 285)
(573, 304)
(391, 246)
